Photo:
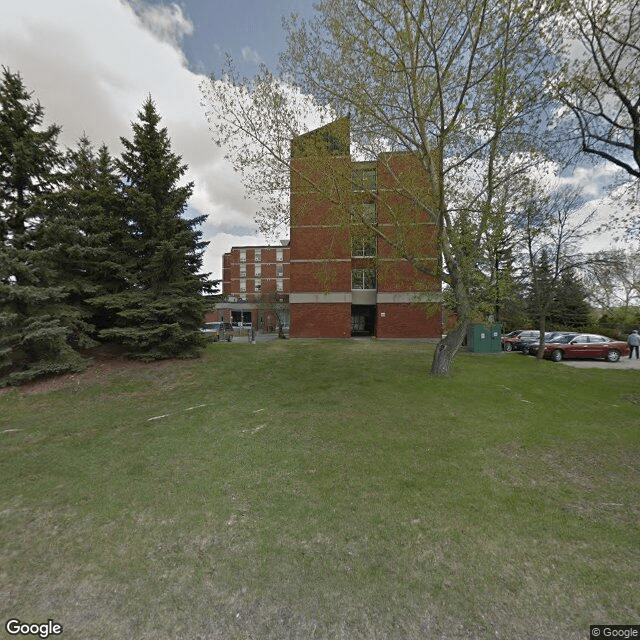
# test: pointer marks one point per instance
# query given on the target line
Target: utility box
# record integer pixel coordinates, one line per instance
(484, 338)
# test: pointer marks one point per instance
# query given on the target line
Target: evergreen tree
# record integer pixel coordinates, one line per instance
(95, 253)
(34, 313)
(160, 314)
(570, 308)
(541, 290)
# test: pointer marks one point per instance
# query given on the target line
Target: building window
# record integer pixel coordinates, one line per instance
(279, 255)
(363, 237)
(364, 213)
(257, 271)
(363, 180)
(243, 285)
(257, 285)
(258, 255)
(279, 285)
(243, 270)
(279, 271)
(243, 255)
(363, 279)
(363, 245)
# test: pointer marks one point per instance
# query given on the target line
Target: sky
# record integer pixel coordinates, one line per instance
(92, 64)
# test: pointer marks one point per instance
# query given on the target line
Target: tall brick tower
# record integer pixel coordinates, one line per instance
(353, 224)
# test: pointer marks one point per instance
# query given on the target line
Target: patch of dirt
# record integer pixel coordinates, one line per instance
(104, 361)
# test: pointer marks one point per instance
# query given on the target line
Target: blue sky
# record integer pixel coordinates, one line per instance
(250, 30)
(92, 63)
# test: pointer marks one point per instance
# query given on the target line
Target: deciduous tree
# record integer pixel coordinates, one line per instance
(457, 83)
(599, 82)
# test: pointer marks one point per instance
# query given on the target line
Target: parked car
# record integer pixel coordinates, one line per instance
(216, 331)
(512, 340)
(531, 346)
(585, 345)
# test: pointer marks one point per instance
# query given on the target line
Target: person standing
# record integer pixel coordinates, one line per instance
(634, 343)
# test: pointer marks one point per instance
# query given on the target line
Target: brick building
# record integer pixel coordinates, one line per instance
(337, 275)
(255, 286)
(346, 280)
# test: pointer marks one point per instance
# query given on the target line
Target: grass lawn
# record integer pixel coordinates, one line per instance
(324, 489)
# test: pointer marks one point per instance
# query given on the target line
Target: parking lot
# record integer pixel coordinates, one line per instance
(623, 363)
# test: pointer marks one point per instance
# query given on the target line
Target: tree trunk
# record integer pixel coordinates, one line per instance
(447, 348)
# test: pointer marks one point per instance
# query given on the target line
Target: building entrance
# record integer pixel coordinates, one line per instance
(241, 318)
(363, 320)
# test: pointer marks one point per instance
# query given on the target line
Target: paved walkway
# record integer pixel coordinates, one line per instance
(623, 363)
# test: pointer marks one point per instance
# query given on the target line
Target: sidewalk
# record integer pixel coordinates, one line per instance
(623, 363)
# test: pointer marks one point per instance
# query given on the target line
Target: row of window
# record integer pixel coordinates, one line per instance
(360, 279)
(257, 255)
(257, 285)
(257, 271)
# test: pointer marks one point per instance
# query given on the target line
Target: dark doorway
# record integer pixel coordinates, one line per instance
(363, 320)
(241, 318)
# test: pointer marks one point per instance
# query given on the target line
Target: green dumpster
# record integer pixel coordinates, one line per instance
(484, 338)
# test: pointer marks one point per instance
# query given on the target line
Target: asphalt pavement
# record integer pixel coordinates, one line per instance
(623, 363)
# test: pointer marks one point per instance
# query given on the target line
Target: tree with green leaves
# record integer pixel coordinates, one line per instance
(160, 312)
(458, 84)
(613, 279)
(554, 224)
(36, 319)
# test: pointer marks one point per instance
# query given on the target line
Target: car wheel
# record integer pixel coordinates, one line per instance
(508, 346)
(613, 356)
(557, 355)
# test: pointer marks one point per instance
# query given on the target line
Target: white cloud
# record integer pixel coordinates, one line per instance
(92, 65)
(165, 22)
(251, 55)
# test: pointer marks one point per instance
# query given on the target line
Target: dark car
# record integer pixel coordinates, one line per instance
(216, 331)
(531, 346)
(512, 340)
(585, 345)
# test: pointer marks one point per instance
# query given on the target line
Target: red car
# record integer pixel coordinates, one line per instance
(585, 345)
(512, 340)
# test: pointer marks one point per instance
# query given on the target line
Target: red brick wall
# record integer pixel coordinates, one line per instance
(408, 321)
(325, 320)
(321, 277)
(320, 243)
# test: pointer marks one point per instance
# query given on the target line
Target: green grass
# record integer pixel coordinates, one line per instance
(324, 489)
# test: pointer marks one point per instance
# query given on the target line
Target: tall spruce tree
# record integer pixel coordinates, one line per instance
(570, 308)
(35, 317)
(95, 254)
(160, 314)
